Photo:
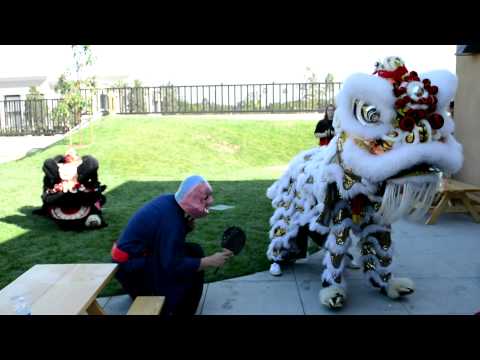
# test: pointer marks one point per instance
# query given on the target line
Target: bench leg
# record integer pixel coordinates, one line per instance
(95, 309)
(470, 208)
(438, 209)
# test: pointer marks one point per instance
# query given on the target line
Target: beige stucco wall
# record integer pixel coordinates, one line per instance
(467, 116)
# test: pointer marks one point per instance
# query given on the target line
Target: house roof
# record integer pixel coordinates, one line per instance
(25, 81)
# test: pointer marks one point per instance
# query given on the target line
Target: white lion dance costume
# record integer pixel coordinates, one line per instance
(393, 140)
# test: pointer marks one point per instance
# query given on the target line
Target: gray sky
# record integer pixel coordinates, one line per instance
(207, 64)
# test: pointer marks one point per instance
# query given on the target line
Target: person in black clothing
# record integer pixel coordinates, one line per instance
(154, 258)
(324, 130)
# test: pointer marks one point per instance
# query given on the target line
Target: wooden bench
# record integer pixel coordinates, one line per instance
(146, 305)
(455, 197)
(59, 289)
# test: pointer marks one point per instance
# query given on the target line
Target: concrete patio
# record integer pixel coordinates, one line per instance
(443, 260)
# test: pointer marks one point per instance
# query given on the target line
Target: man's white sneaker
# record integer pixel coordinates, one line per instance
(275, 269)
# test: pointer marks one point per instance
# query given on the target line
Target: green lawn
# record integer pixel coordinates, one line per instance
(142, 157)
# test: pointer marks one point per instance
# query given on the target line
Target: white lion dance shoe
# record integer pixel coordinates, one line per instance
(275, 269)
(93, 221)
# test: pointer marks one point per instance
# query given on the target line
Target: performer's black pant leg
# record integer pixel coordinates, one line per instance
(184, 296)
(189, 303)
(133, 279)
(298, 247)
(50, 168)
(87, 170)
(302, 241)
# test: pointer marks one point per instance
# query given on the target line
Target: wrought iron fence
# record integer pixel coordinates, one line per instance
(30, 117)
(197, 99)
(39, 117)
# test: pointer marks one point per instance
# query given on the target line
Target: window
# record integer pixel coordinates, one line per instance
(13, 111)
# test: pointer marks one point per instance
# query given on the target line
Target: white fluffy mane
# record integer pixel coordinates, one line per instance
(448, 156)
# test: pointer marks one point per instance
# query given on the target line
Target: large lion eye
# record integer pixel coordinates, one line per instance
(365, 113)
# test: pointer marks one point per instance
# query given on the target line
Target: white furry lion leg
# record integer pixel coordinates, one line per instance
(398, 287)
(377, 260)
(334, 294)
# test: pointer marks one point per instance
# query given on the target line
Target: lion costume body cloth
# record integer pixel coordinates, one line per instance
(394, 141)
(72, 195)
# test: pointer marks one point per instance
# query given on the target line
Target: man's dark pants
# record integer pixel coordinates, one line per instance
(181, 298)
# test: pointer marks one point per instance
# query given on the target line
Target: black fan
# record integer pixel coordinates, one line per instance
(234, 240)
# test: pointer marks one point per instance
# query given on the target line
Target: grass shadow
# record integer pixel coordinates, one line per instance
(44, 243)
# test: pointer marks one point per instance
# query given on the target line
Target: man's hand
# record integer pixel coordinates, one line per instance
(216, 260)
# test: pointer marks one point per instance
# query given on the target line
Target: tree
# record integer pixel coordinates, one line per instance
(120, 93)
(311, 76)
(34, 94)
(69, 85)
(329, 89)
(169, 101)
(119, 84)
(312, 92)
(63, 86)
(137, 98)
